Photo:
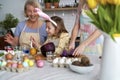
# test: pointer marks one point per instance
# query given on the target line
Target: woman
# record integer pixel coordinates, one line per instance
(32, 27)
(88, 33)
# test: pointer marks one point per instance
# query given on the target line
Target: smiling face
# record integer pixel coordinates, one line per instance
(29, 10)
(51, 30)
(31, 13)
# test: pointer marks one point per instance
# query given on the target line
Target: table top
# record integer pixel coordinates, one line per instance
(51, 73)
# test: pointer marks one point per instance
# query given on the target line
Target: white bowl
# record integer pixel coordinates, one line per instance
(81, 69)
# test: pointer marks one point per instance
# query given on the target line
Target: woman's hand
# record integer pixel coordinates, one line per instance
(34, 42)
(71, 45)
(79, 50)
(9, 39)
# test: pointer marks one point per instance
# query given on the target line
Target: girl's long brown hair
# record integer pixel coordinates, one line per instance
(60, 24)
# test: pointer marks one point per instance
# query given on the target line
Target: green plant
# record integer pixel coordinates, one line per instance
(9, 22)
(47, 1)
(55, 0)
(107, 16)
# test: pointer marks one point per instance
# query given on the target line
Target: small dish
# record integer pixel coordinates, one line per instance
(81, 69)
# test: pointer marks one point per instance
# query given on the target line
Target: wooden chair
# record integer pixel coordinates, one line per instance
(3, 43)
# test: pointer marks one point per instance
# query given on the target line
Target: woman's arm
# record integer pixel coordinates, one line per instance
(76, 28)
(79, 50)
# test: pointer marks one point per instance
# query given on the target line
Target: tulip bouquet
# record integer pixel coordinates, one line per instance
(107, 16)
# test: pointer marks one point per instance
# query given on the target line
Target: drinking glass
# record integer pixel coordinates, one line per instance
(25, 49)
(49, 56)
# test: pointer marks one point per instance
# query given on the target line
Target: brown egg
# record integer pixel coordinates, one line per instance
(9, 64)
(37, 57)
(77, 63)
(85, 61)
(25, 57)
(19, 65)
(9, 56)
(33, 51)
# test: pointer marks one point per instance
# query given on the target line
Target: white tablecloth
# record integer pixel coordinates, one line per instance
(50, 73)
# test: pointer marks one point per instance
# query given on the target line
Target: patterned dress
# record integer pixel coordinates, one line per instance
(86, 29)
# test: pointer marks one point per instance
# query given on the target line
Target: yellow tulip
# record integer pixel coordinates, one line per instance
(92, 3)
(118, 2)
(110, 1)
(115, 2)
(103, 1)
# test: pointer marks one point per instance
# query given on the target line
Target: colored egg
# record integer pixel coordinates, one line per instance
(26, 60)
(40, 63)
(31, 63)
(25, 64)
(0, 63)
(3, 63)
(14, 65)
(19, 65)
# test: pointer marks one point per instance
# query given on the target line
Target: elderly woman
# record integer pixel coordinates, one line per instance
(32, 27)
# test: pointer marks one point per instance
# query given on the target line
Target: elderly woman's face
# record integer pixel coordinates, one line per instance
(31, 13)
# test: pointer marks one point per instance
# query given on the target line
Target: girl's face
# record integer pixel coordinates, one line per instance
(31, 13)
(50, 29)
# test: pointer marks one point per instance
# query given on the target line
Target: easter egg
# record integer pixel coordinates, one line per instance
(33, 51)
(37, 57)
(40, 63)
(31, 63)
(19, 65)
(25, 64)
(26, 60)
(9, 56)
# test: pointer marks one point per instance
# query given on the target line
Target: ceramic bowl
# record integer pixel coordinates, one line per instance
(81, 69)
(48, 47)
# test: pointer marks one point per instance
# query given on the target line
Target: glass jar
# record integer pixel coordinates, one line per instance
(49, 56)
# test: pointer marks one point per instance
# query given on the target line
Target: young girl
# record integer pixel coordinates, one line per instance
(57, 34)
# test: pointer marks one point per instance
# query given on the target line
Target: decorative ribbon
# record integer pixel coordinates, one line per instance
(45, 16)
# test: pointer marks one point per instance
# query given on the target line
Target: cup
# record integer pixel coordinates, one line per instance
(25, 49)
(49, 56)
